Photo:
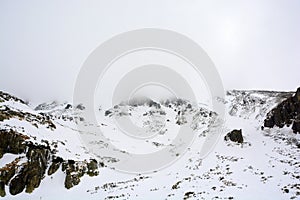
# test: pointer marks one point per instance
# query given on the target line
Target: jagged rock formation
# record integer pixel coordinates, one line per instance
(12, 142)
(8, 113)
(286, 113)
(31, 172)
(75, 170)
(27, 172)
(35, 158)
(7, 97)
(235, 136)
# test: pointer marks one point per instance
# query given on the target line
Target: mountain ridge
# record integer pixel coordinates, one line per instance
(57, 152)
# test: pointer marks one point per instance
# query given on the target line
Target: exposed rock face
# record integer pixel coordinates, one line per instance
(12, 142)
(35, 159)
(32, 171)
(56, 162)
(7, 113)
(75, 170)
(2, 189)
(286, 113)
(29, 174)
(235, 136)
(7, 97)
(73, 173)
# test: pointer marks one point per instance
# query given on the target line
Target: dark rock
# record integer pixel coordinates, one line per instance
(80, 107)
(68, 106)
(285, 113)
(188, 195)
(152, 103)
(92, 168)
(17, 185)
(71, 162)
(296, 126)
(235, 136)
(33, 170)
(33, 182)
(8, 113)
(7, 97)
(12, 142)
(74, 172)
(76, 169)
(8, 171)
(72, 180)
(29, 174)
(297, 95)
(81, 119)
(108, 112)
(56, 162)
(2, 189)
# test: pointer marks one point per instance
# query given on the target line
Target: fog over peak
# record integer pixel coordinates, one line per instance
(254, 44)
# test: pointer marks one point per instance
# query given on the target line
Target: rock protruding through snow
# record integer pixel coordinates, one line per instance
(286, 113)
(235, 136)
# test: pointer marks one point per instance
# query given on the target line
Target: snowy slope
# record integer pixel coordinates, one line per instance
(265, 166)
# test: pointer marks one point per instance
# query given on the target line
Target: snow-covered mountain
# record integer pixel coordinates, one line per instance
(42, 155)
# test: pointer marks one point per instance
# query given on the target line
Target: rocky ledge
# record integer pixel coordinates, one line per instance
(35, 161)
(286, 113)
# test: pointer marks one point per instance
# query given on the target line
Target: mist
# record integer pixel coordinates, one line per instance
(254, 44)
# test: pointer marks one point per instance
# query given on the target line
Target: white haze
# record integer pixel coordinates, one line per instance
(254, 44)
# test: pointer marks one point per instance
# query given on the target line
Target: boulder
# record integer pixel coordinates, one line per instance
(74, 171)
(92, 167)
(72, 180)
(68, 106)
(235, 136)
(17, 185)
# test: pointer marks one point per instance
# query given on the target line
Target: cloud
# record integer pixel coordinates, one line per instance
(254, 44)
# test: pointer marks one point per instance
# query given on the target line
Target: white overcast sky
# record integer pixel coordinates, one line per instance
(254, 44)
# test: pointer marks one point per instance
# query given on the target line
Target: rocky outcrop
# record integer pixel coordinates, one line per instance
(7, 113)
(25, 175)
(12, 142)
(31, 172)
(286, 113)
(28, 174)
(56, 162)
(75, 170)
(36, 159)
(7, 97)
(235, 136)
